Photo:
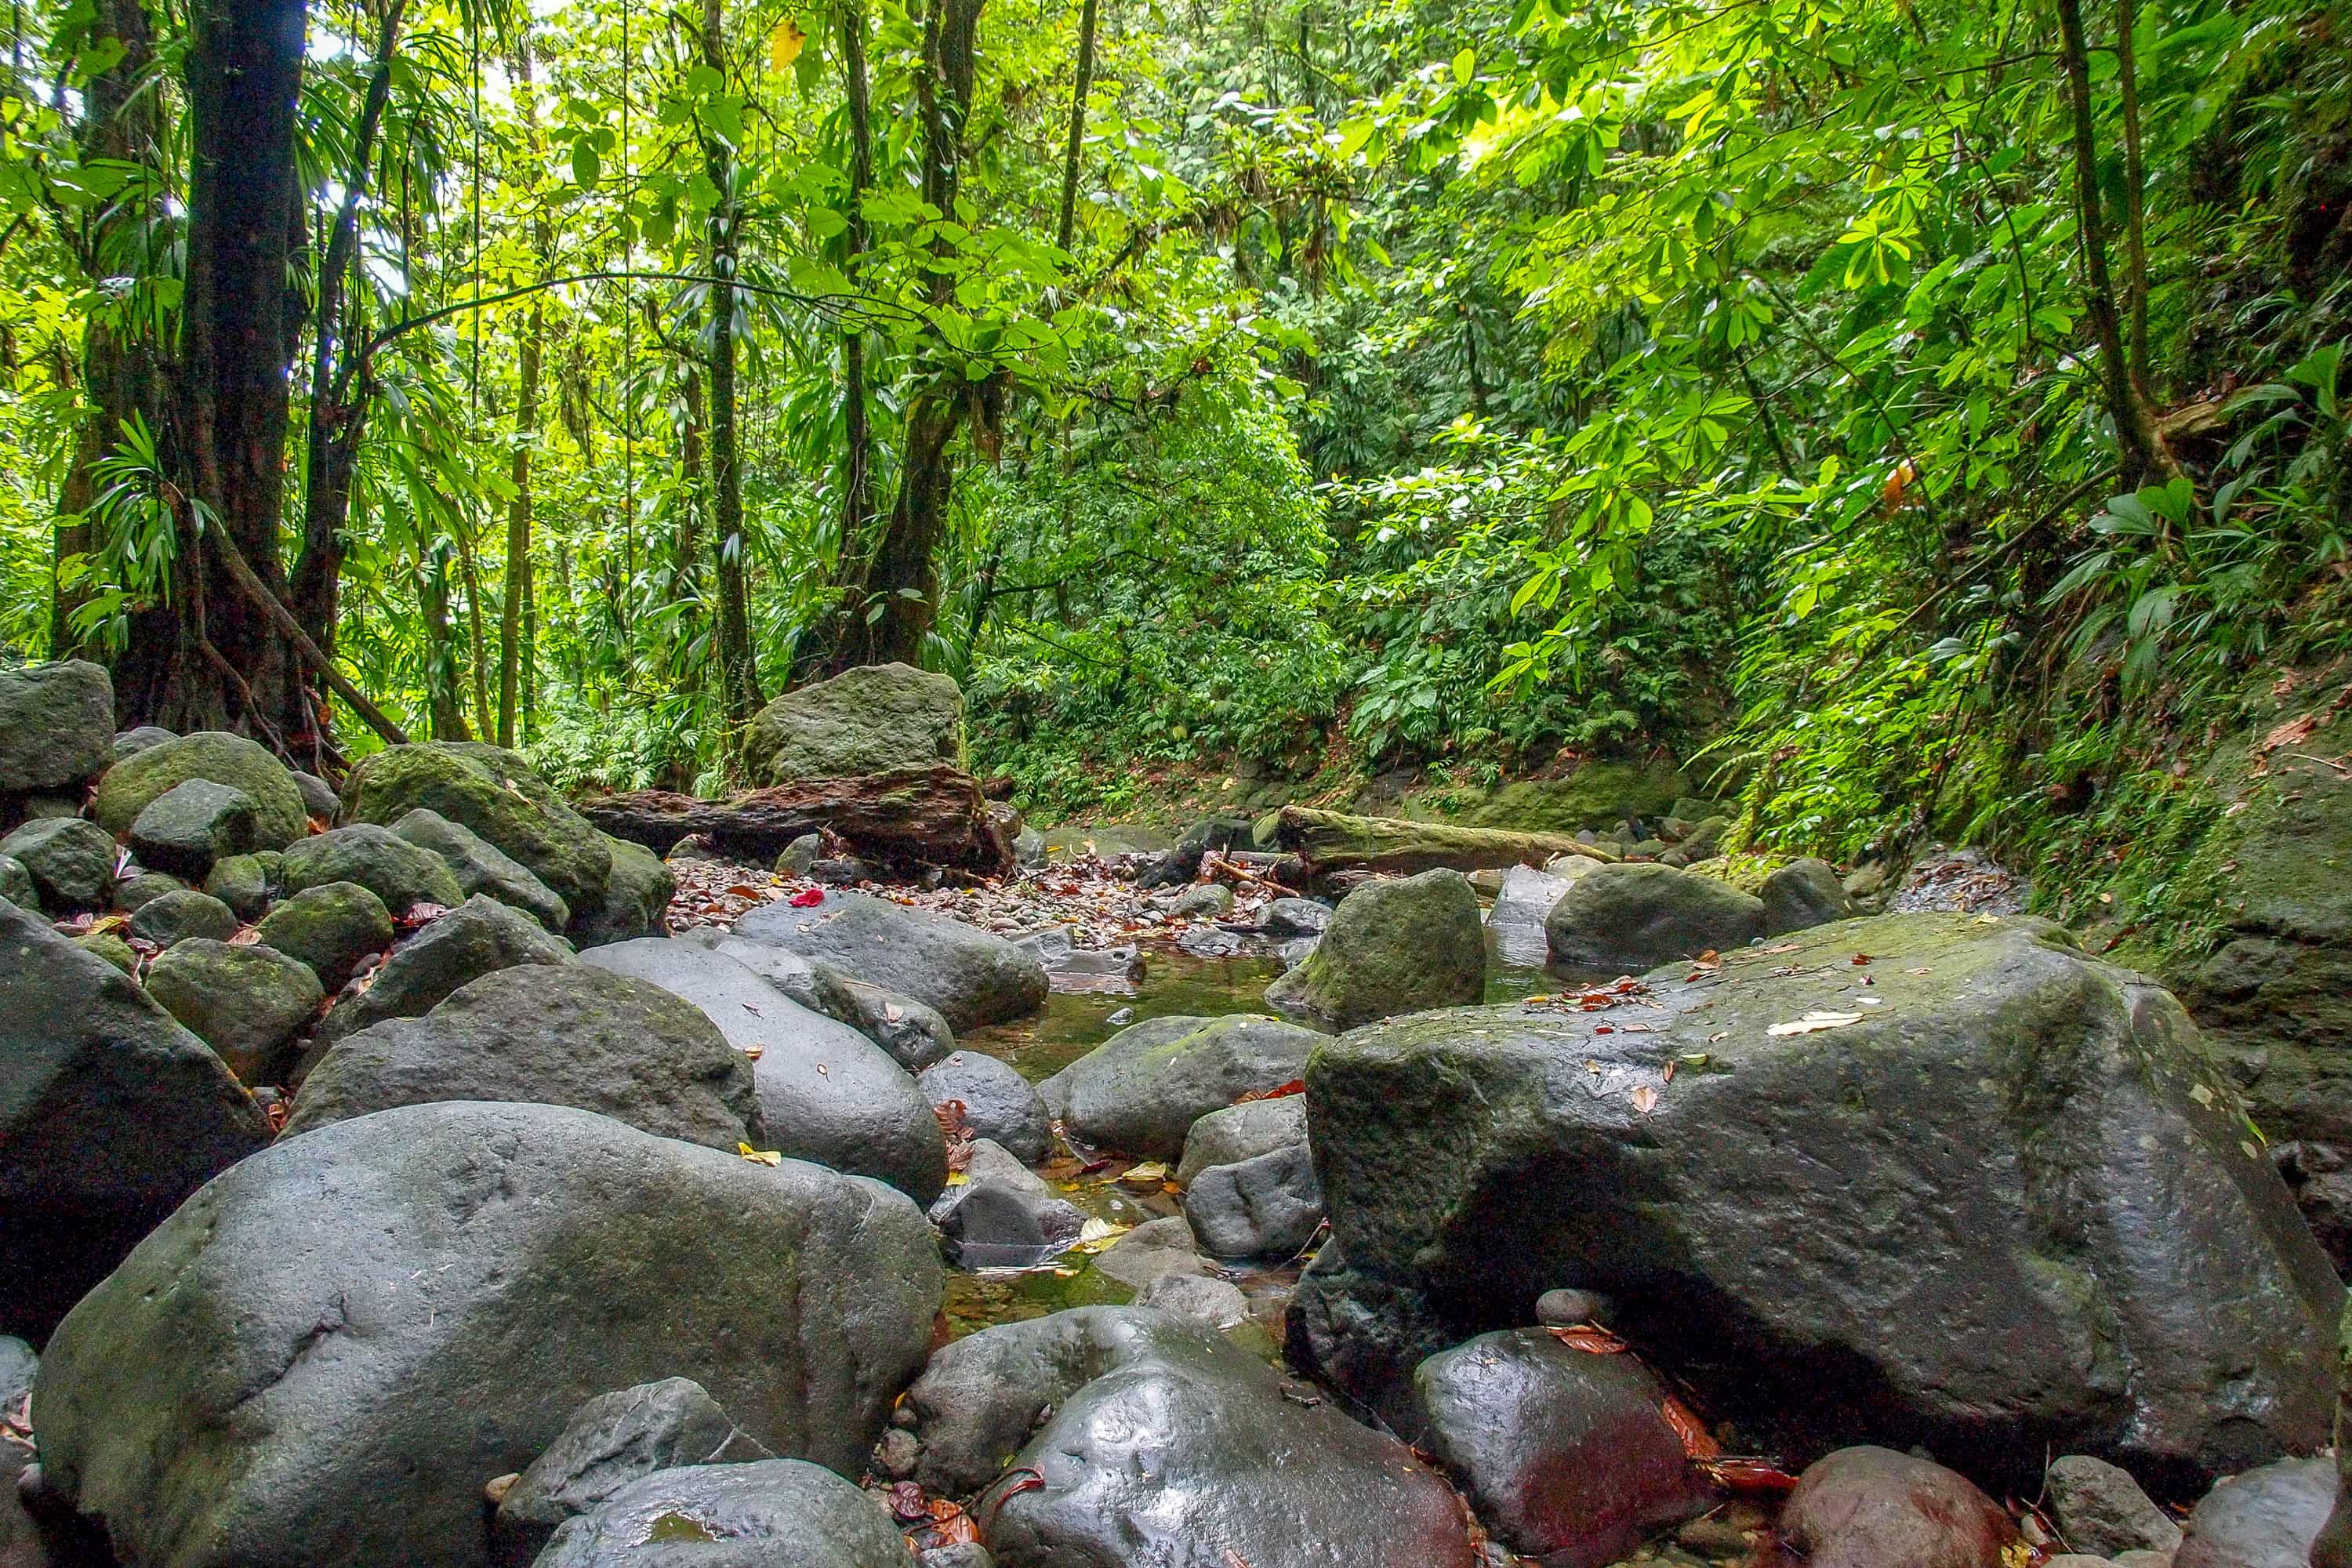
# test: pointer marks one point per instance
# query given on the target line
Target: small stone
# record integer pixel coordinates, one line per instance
(1219, 1303)
(1151, 1250)
(134, 893)
(1715, 1538)
(175, 917)
(130, 743)
(998, 1102)
(2102, 1510)
(242, 882)
(1207, 900)
(964, 1555)
(1566, 1309)
(898, 1454)
(800, 855)
(17, 884)
(318, 796)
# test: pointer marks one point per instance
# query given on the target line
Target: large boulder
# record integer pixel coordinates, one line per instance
(1154, 1438)
(481, 867)
(998, 1102)
(1633, 917)
(569, 1035)
(773, 1513)
(325, 1354)
(1392, 947)
(495, 793)
(2267, 1518)
(1242, 1133)
(867, 720)
(2077, 1187)
(56, 725)
(1515, 926)
(70, 860)
(1266, 1207)
(400, 873)
(915, 1035)
(1566, 1455)
(636, 899)
(1803, 894)
(334, 927)
(1874, 1507)
(478, 937)
(1141, 1089)
(827, 1092)
(111, 1113)
(127, 788)
(180, 914)
(190, 825)
(246, 1001)
(971, 977)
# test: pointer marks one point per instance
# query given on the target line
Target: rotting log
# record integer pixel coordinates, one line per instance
(1328, 841)
(928, 815)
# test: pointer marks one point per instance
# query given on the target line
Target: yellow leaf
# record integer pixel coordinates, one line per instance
(759, 1156)
(785, 44)
(1811, 1022)
(1150, 1171)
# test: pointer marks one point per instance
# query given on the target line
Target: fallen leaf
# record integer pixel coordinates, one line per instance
(1859, 958)
(1698, 1443)
(1146, 1172)
(1590, 1338)
(759, 1156)
(1295, 1086)
(1814, 1022)
(1645, 1099)
(1750, 1477)
(754, 1053)
(807, 898)
(1922, 970)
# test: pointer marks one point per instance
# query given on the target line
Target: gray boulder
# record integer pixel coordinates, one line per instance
(998, 1102)
(798, 857)
(1392, 947)
(1566, 1455)
(1270, 1207)
(56, 725)
(1240, 1132)
(111, 1113)
(132, 894)
(174, 917)
(334, 927)
(500, 798)
(915, 1036)
(480, 866)
(867, 720)
(270, 1376)
(1000, 1225)
(2101, 1511)
(1803, 894)
(70, 860)
(1152, 1250)
(1515, 926)
(613, 1440)
(827, 1092)
(1874, 1507)
(971, 977)
(400, 873)
(775, 1513)
(1152, 1435)
(636, 901)
(1631, 918)
(319, 797)
(1203, 902)
(2266, 1518)
(1216, 1303)
(190, 825)
(247, 1003)
(1141, 1089)
(1295, 916)
(17, 884)
(478, 937)
(2080, 1188)
(127, 788)
(127, 743)
(554, 1036)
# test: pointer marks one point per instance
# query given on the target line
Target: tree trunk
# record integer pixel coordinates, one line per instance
(2135, 198)
(857, 433)
(1330, 841)
(929, 814)
(444, 715)
(526, 423)
(739, 674)
(1071, 157)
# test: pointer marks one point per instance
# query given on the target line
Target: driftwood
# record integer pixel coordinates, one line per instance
(928, 816)
(1330, 842)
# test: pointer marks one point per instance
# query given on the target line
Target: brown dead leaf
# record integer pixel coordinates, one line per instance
(1645, 1099)
(1590, 1338)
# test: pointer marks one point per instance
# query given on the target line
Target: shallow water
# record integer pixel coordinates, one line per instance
(1074, 1023)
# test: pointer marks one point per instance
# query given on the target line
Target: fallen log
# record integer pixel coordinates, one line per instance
(906, 818)
(1329, 842)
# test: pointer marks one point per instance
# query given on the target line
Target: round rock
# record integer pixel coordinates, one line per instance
(998, 1102)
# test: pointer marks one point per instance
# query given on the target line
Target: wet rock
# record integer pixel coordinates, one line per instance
(964, 1555)
(1392, 947)
(242, 882)
(569, 1035)
(319, 797)
(17, 884)
(1182, 863)
(915, 1036)
(636, 903)
(1214, 1303)
(56, 725)
(499, 797)
(17, 1365)
(827, 1092)
(400, 873)
(776, 1514)
(1630, 917)
(334, 927)
(112, 949)
(134, 893)
(998, 1102)
(1207, 902)
(127, 743)
(111, 1113)
(1270, 1207)
(131, 784)
(1243, 1132)
(992, 1162)
(480, 866)
(247, 1003)
(190, 825)
(1516, 924)
(795, 859)
(1803, 894)
(1029, 848)
(174, 917)
(971, 977)
(613, 1440)
(989, 1224)
(2101, 1511)
(1295, 916)
(897, 1455)
(867, 720)
(1565, 1454)
(2073, 1171)
(1874, 1507)
(2266, 1518)
(1150, 1251)
(1565, 1309)
(274, 1369)
(478, 937)
(1141, 1089)
(70, 862)
(1073, 968)
(1153, 1436)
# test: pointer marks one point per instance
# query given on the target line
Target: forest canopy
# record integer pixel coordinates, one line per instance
(1898, 413)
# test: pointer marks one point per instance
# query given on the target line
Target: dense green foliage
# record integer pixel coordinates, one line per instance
(1416, 385)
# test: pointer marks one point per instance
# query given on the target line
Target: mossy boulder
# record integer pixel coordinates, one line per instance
(478, 937)
(190, 825)
(333, 927)
(56, 725)
(1597, 794)
(280, 817)
(636, 901)
(71, 861)
(868, 719)
(1392, 947)
(1633, 917)
(134, 893)
(17, 884)
(181, 916)
(497, 794)
(245, 1002)
(107, 946)
(1141, 1091)
(402, 874)
(481, 867)
(242, 882)
(1823, 1188)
